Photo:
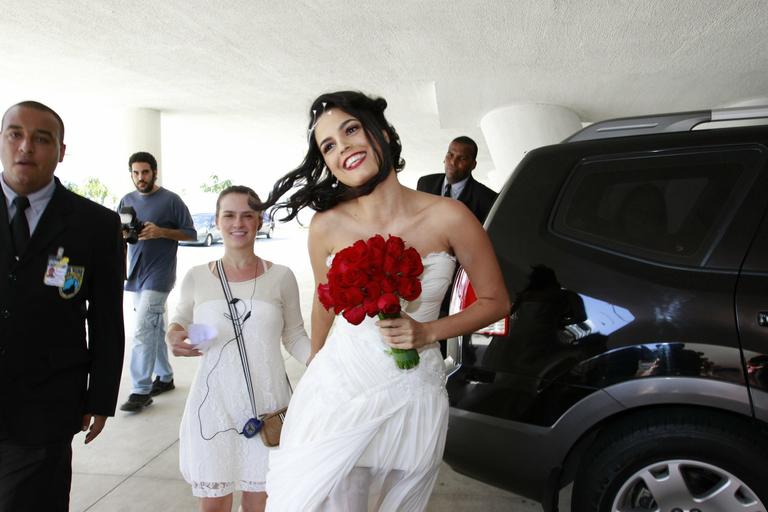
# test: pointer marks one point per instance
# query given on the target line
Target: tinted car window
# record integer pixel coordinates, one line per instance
(668, 208)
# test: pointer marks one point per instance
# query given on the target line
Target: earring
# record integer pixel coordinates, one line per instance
(335, 183)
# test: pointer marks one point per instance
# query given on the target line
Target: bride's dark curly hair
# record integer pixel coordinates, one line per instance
(313, 182)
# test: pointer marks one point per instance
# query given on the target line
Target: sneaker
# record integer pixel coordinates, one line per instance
(161, 387)
(136, 402)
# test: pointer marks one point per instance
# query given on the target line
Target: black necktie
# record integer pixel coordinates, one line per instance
(447, 191)
(19, 226)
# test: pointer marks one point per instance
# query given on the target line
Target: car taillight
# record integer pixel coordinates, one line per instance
(463, 295)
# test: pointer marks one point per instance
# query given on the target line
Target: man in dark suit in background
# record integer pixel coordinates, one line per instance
(61, 264)
(457, 181)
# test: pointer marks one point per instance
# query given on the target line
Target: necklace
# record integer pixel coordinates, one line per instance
(236, 273)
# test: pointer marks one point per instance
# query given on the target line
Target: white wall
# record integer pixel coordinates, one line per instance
(197, 146)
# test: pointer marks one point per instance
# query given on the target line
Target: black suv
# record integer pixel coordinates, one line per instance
(634, 363)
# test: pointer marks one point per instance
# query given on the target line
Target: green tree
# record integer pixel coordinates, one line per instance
(215, 184)
(93, 189)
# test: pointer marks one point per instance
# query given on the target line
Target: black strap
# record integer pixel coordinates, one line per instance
(238, 328)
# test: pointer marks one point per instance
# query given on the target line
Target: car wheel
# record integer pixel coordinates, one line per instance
(208, 240)
(680, 461)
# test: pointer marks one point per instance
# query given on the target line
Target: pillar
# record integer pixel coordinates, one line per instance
(142, 133)
(513, 130)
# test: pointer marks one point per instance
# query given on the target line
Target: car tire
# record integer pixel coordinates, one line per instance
(208, 240)
(642, 460)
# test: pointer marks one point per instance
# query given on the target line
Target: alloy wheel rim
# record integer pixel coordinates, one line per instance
(684, 485)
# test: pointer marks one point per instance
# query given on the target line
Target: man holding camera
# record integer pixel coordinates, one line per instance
(154, 221)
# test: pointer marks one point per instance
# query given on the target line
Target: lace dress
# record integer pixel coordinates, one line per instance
(362, 434)
(214, 459)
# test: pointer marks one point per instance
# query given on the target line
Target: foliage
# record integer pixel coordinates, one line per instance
(93, 189)
(215, 184)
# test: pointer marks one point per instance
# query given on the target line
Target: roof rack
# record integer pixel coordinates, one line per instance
(664, 123)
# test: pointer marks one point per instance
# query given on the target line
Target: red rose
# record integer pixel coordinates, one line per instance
(395, 246)
(353, 256)
(376, 242)
(324, 295)
(343, 257)
(360, 250)
(344, 298)
(375, 262)
(408, 288)
(410, 263)
(390, 264)
(334, 280)
(388, 284)
(389, 303)
(351, 297)
(371, 306)
(372, 290)
(354, 315)
(353, 277)
(333, 273)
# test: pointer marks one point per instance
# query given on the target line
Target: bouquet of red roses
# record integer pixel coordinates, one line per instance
(369, 278)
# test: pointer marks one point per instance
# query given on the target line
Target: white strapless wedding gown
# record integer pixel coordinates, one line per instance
(362, 434)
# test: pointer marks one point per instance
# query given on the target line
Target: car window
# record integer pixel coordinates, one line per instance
(670, 208)
(203, 220)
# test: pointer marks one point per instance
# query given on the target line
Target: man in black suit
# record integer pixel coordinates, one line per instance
(457, 181)
(61, 264)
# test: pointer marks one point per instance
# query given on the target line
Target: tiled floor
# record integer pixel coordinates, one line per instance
(133, 466)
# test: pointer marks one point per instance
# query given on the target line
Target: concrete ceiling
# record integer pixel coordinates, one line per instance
(441, 65)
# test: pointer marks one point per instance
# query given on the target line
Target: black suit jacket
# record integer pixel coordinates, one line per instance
(50, 372)
(475, 195)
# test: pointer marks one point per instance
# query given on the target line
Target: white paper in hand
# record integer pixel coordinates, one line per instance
(201, 336)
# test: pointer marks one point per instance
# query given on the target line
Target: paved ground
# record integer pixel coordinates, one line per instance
(133, 465)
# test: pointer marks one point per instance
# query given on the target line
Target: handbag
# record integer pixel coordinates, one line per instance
(268, 425)
(272, 426)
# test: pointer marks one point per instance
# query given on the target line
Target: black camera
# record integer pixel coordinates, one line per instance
(131, 225)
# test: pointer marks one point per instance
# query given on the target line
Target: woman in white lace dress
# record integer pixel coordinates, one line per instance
(362, 434)
(215, 457)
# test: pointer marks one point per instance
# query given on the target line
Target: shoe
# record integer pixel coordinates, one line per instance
(161, 387)
(136, 402)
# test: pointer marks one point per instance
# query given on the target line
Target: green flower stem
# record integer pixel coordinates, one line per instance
(405, 359)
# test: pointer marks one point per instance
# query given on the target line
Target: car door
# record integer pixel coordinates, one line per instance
(752, 316)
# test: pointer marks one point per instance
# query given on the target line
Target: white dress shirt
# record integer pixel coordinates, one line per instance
(37, 202)
(456, 188)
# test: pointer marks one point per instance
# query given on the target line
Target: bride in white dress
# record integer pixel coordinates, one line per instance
(362, 434)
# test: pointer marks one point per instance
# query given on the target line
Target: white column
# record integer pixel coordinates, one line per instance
(142, 133)
(511, 131)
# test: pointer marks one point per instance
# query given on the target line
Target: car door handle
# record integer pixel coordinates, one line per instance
(478, 376)
(762, 319)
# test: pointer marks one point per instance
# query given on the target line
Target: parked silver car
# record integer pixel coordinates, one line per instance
(207, 232)
(267, 225)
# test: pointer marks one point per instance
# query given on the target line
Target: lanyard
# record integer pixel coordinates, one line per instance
(253, 425)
